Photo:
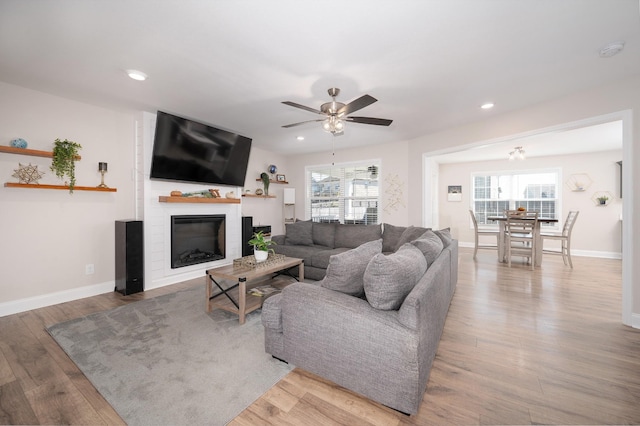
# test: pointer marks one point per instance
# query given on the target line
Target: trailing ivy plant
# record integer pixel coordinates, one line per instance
(64, 160)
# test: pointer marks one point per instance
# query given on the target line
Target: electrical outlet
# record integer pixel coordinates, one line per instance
(89, 269)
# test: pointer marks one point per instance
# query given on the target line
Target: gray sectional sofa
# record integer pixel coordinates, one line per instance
(317, 242)
(373, 323)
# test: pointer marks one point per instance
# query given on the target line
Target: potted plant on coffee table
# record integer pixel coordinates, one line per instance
(261, 246)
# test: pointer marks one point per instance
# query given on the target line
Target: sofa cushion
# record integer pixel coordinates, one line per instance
(324, 234)
(390, 236)
(411, 233)
(389, 279)
(321, 258)
(299, 233)
(430, 245)
(445, 236)
(346, 270)
(301, 252)
(352, 236)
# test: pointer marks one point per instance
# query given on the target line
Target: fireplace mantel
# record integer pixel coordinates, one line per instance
(165, 199)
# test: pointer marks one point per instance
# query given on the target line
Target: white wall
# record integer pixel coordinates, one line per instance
(268, 211)
(48, 236)
(393, 175)
(587, 239)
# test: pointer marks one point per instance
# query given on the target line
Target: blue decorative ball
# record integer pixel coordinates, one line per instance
(273, 169)
(19, 143)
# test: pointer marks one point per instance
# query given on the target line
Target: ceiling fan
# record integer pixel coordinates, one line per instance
(336, 113)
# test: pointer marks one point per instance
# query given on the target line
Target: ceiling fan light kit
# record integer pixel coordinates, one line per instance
(517, 153)
(337, 113)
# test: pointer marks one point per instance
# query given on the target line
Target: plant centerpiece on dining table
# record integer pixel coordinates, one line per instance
(603, 199)
(261, 246)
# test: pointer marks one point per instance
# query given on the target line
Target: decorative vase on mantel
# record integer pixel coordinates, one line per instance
(265, 181)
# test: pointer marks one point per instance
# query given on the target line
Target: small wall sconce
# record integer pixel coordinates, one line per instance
(102, 168)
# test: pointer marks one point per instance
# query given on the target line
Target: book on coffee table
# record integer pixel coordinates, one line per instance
(263, 290)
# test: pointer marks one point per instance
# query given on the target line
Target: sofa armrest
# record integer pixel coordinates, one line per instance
(344, 339)
(272, 313)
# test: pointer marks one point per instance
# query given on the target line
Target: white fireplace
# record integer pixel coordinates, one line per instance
(156, 216)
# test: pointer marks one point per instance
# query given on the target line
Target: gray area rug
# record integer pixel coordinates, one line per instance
(166, 361)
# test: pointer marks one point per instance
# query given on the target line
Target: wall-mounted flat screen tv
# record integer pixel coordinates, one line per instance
(188, 151)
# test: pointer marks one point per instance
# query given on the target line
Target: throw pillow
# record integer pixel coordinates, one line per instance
(445, 236)
(410, 234)
(430, 245)
(390, 236)
(346, 270)
(299, 234)
(352, 236)
(389, 279)
(324, 234)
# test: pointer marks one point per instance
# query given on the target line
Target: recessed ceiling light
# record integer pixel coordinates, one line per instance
(300, 138)
(137, 75)
(488, 105)
(611, 49)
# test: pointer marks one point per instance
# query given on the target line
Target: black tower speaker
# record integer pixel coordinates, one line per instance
(247, 233)
(129, 257)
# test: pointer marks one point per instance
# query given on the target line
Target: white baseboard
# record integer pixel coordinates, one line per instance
(22, 305)
(27, 304)
(579, 253)
(635, 320)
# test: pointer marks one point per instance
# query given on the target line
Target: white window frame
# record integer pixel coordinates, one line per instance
(344, 200)
(513, 201)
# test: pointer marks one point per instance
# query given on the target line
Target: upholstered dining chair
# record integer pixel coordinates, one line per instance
(519, 235)
(564, 238)
(482, 232)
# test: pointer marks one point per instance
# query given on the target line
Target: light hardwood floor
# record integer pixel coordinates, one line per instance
(519, 347)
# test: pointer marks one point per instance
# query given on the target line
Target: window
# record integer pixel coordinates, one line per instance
(347, 193)
(533, 190)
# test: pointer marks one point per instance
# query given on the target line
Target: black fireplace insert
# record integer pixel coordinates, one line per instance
(197, 239)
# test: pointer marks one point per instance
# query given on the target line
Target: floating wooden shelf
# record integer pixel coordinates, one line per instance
(258, 196)
(75, 188)
(31, 152)
(284, 182)
(203, 200)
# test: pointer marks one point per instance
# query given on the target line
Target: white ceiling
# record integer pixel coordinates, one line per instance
(430, 64)
(594, 138)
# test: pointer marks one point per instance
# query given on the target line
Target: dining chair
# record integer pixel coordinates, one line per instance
(519, 235)
(481, 232)
(564, 238)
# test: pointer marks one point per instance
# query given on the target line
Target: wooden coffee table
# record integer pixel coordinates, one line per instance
(237, 300)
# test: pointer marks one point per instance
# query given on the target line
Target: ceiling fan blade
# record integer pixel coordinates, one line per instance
(361, 102)
(370, 120)
(306, 108)
(302, 122)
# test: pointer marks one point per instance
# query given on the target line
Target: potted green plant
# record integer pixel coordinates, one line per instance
(603, 199)
(265, 181)
(261, 246)
(64, 160)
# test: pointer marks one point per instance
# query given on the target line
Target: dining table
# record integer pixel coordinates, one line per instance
(536, 235)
